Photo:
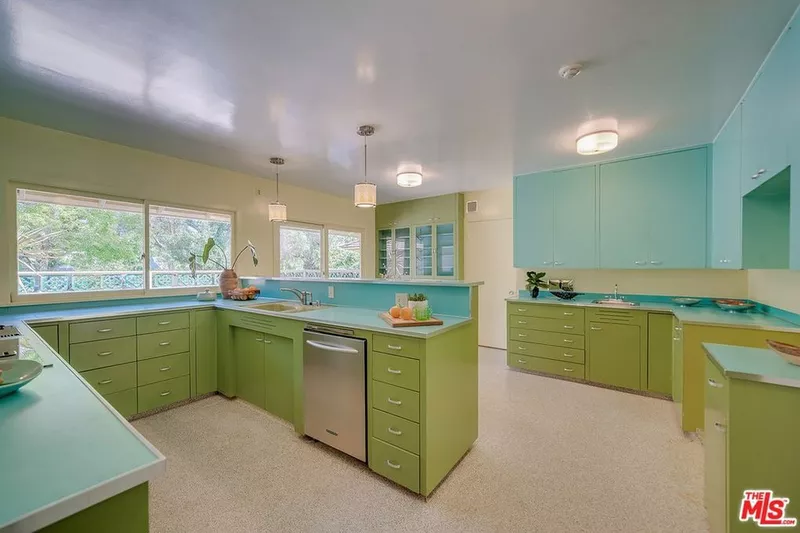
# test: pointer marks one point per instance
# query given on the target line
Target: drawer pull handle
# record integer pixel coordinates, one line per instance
(394, 402)
(520, 309)
(392, 464)
(267, 341)
(569, 370)
(522, 335)
(676, 338)
(260, 339)
(521, 361)
(714, 384)
(393, 370)
(166, 393)
(522, 321)
(394, 431)
(165, 323)
(165, 343)
(164, 369)
(568, 314)
(720, 427)
(393, 347)
(105, 382)
(569, 327)
(521, 348)
(569, 341)
(568, 355)
(596, 329)
(104, 330)
(103, 354)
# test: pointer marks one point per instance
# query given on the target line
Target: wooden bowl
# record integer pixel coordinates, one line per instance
(789, 352)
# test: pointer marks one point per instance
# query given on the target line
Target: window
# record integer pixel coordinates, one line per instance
(344, 254)
(300, 251)
(174, 234)
(69, 243)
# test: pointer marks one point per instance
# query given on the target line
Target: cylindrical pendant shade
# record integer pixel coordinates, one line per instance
(277, 212)
(366, 195)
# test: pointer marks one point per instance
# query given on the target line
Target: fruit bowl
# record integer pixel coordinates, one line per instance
(789, 352)
(565, 295)
(734, 305)
(686, 302)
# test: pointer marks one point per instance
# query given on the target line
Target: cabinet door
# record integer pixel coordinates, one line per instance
(678, 185)
(248, 348)
(385, 252)
(533, 221)
(715, 447)
(575, 224)
(659, 353)
(614, 354)
(402, 252)
(279, 374)
(624, 214)
(49, 334)
(423, 251)
(205, 373)
(445, 250)
(726, 196)
(677, 367)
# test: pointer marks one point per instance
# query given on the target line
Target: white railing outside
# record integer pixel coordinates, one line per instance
(75, 281)
(334, 273)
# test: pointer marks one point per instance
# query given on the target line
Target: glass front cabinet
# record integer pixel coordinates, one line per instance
(424, 251)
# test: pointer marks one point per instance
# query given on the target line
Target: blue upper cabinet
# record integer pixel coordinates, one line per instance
(726, 196)
(653, 211)
(533, 221)
(575, 201)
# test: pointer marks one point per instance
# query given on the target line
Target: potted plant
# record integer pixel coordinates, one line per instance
(534, 281)
(228, 280)
(417, 300)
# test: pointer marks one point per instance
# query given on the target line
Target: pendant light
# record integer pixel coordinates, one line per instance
(277, 210)
(366, 194)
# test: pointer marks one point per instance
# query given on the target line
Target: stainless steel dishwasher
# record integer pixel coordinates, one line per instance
(334, 388)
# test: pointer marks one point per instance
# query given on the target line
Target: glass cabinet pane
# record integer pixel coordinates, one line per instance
(402, 251)
(385, 257)
(445, 250)
(423, 250)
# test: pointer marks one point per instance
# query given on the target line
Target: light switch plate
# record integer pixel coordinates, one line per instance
(401, 299)
(330, 291)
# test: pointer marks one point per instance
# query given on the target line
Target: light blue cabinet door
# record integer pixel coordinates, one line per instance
(678, 209)
(726, 196)
(533, 221)
(624, 214)
(445, 250)
(792, 43)
(575, 206)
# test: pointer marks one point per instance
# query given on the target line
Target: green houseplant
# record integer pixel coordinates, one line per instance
(228, 280)
(534, 281)
(417, 300)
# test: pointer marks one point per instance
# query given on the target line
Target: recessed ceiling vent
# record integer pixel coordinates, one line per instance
(570, 71)
(472, 206)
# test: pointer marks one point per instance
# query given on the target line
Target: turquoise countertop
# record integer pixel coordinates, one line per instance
(77, 450)
(700, 314)
(383, 281)
(754, 364)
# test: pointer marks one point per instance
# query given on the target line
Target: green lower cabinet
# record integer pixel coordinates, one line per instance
(126, 512)
(716, 449)
(163, 393)
(396, 431)
(124, 402)
(396, 400)
(162, 368)
(112, 379)
(49, 334)
(659, 353)
(249, 353)
(279, 376)
(677, 366)
(396, 464)
(205, 351)
(614, 354)
(547, 366)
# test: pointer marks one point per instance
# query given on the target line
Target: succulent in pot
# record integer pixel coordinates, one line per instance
(417, 300)
(228, 279)
(534, 281)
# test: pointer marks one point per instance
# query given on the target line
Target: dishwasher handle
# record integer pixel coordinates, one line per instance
(331, 347)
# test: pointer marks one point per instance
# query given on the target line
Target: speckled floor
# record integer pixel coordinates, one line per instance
(552, 456)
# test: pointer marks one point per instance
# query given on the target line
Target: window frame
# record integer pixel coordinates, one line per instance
(324, 228)
(57, 297)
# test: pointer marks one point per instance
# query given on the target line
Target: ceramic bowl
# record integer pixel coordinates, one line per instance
(734, 305)
(565, 295)
(686, 301)
(789, 352)
(16, 374)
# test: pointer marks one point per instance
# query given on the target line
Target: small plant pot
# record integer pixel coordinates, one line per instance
(535, 292)
(414, 305)
(228, 280)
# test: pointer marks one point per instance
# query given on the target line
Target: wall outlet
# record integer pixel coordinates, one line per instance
(330, 291)
(401, 299)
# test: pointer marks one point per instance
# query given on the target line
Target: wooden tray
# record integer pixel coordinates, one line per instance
(400, 323)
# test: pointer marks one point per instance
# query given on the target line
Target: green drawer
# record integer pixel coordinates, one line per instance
(394, 400)
(565, 340)
(393, 463)
(547, 366)
(546, 324)
(162, 322)
(163, 368)
(548, 352)
(566, 312)
(618, 316)
(405, 346)
(112, 379)
(163, 393)
(400, 371)
(99, 354)
(163, 343)
(124, 402)
(395, 430)
(101, 329)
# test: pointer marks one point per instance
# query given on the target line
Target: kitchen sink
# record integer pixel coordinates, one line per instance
(286, 307)
(615, 302)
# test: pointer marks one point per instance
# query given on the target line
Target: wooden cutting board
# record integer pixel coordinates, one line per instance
(401, 323)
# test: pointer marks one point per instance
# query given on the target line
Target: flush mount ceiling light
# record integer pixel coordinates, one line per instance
(597, 136)
(409, 175)
(366, 194)
(277, 210)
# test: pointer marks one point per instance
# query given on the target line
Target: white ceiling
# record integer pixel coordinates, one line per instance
(469, 89)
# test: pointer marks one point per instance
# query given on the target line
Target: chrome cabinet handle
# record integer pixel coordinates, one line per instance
(521, 310)
(521, 361)
(678, 328)
(596, 328)
(724, 260)
(558, 263)
(569, 327)
(568, 355)
(521, 348)
(640, 263)
(522, 321)
(393, 370)
(720, 427)
(393, 347)
(656, 262)
(569, 370)
(165, 343)
(394, 431)
(105, 382)
(394, 402)
(568, 314)
(392, 464)
(164, 323)
(267, 341)
(103, 354)
(260, 339)
(714, 383)
(761, 171)
(522, 335)
(569, 341)
(166, 393)
(331, 347)
(676, 338)
(754, 177)
(104, 330)
(547, 262)
(164, 369)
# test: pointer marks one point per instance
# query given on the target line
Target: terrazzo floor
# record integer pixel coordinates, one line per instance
(552, 456)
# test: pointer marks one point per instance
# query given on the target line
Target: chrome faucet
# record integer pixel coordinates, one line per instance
(616, 293)
(304, 296)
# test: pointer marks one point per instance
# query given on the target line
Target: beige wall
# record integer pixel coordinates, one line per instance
(31, 154)
(778, 288)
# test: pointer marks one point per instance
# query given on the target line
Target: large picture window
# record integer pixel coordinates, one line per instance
(344, 254)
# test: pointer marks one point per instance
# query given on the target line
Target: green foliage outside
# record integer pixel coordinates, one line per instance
(300, 250)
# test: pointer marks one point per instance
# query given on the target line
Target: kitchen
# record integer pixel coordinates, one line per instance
(210, 409)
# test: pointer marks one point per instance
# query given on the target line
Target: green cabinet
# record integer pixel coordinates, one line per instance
(614, 353)
(205, 351)
(49, 334)
(726, 196)
(716, 449)
(248, 349)
(659, 353)
(677, 366)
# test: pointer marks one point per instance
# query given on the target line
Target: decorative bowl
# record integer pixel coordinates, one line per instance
(789, 352)
(734, 305)
(565, 295)
(16, 374)
(685, 301)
